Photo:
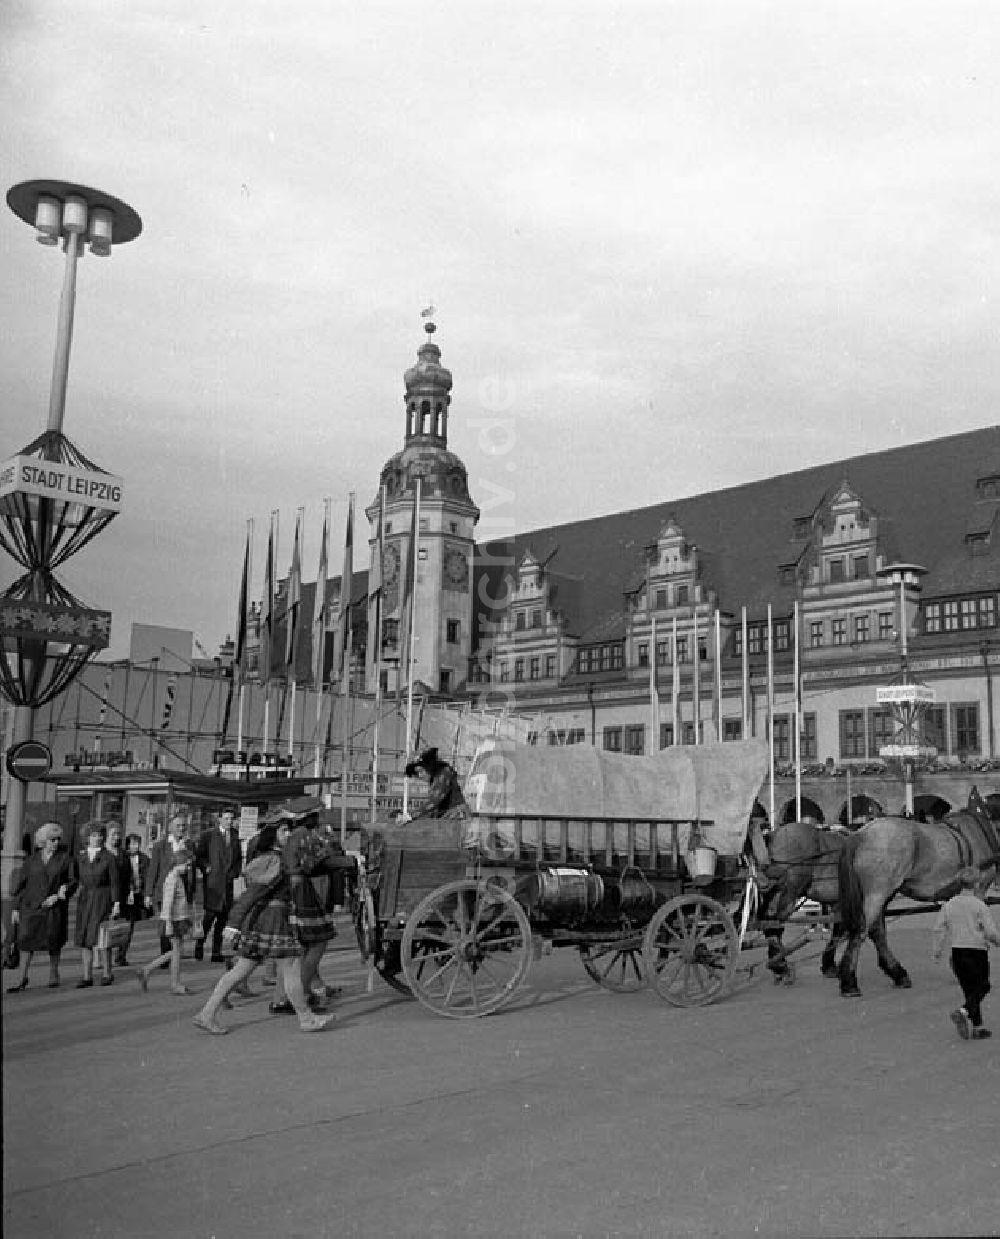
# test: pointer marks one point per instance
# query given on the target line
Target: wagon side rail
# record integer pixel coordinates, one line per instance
(652, 845)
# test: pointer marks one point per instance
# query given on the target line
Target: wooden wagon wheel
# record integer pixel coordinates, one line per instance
(690, 950)
(617, 965)
(466, 949)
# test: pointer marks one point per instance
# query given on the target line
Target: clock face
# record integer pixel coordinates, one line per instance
(456, 569)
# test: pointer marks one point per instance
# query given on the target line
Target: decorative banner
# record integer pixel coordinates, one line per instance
(43, 621)
(26, 475)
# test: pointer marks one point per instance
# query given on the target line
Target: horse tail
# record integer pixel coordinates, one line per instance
(852, 909)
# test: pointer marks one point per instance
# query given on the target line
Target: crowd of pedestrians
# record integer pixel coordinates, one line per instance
(295, 877)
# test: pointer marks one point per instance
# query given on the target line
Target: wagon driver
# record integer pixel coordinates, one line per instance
(444, 797)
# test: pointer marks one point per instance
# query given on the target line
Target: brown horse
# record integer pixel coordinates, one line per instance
(921, 860)
(803, 864)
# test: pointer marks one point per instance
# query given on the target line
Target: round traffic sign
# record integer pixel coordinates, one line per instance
(29, 759)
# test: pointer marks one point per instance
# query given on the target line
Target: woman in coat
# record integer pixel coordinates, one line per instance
(98, 878)
(41, 903)
(132, 891)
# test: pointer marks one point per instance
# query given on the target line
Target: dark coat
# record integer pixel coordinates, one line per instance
(444, 795)
(43, 929)
(132, 891)
(220, 859)
(98, 881)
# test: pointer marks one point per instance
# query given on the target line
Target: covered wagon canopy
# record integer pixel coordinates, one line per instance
(714, 783)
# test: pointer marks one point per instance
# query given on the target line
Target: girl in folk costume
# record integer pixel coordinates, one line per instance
(97, 875)
(261, 929)
(41, 902)
(178, 892)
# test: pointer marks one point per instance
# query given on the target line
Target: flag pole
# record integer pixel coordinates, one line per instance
(696, 656)
(798, 720)
(292, 619)
(654, 692)
(718, 675)
(414, 536)
(676, 688)
(375, 641)
(319, 633)
(345, 659)
(272, 552)
(770, 713)
(746, 675)
(240, 656)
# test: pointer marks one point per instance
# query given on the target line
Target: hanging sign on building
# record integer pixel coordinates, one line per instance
(49, 479)
(43, 621)
(904, 694)
(99, 759)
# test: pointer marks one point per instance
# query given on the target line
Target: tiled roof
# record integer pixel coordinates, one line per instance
(924, 495)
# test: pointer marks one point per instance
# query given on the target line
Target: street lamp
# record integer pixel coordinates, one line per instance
(47, 637)
(905, 698)
(77, 215)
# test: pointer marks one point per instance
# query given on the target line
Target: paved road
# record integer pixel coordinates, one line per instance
(573, 1112)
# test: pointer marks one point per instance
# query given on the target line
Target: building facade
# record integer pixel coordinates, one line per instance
(775, 609)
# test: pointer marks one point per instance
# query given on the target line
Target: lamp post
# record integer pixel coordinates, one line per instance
(906, 699)
(36, 514)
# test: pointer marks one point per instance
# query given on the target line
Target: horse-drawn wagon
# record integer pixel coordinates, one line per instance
(638, 863)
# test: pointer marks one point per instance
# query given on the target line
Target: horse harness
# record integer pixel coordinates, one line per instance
(966, 852)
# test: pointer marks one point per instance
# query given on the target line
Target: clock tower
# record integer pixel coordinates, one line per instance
(442, 586)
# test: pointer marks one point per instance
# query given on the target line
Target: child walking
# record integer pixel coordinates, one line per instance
(178, 889)
(966, 923)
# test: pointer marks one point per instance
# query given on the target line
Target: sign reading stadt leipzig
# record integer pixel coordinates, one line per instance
(49, 479)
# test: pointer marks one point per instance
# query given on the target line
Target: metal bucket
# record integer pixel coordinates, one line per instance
(701, 863)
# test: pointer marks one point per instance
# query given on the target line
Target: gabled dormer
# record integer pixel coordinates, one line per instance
(845, 542)
(531, 642)
(673, 573)
(526, 610)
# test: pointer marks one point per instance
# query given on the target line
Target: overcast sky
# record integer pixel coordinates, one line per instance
(672, 247)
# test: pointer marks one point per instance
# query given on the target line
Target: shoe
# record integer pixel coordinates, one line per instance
(107, 980)
(16, 989)
(179, 990)
(209, 1026)
(218, 959)
(54, 983)
(121, 961)
(281, 1008)
(143, 977)
(86, 983)
(980, 1034)
(316, 1023)
(199, 950)
(961, 1022)
(316, 1003)
(328, 991)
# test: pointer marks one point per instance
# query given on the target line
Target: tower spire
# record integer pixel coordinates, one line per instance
(428, 391)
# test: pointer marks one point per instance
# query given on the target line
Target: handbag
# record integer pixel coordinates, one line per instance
(11, 951)
(112, 934)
